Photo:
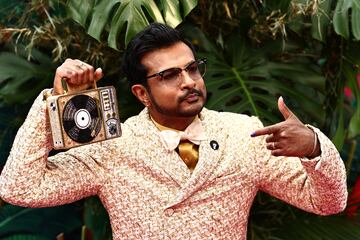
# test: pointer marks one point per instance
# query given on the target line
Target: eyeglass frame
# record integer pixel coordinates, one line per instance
(160, 74)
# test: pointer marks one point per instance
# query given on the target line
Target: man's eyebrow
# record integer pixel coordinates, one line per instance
(187, 64)
(192, 61)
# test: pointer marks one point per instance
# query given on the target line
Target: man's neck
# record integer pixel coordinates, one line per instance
(177, 123)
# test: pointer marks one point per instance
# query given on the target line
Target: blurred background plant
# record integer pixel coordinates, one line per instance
(307, 51)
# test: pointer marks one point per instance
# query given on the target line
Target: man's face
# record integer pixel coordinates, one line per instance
(180, 99)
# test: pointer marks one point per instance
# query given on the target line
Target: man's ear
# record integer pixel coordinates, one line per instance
(141, 93)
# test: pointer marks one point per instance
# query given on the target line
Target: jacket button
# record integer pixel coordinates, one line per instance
(169, 212)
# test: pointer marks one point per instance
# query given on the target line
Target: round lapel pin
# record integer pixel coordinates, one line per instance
(214, 145)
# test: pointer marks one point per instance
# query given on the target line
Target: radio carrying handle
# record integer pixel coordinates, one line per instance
(65, 85)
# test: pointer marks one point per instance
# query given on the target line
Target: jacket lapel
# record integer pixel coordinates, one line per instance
(168, 161)
(210, 154)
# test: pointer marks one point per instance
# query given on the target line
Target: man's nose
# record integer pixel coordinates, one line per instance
(187, 81)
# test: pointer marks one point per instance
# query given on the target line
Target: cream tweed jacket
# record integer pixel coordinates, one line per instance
(149, 192)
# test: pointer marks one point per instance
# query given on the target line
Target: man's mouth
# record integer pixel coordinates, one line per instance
(192, 97)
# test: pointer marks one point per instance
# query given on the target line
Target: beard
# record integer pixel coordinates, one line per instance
(178, 111)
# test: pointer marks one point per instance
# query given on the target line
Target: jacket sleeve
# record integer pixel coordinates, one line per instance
(316, 185)
(32, 179)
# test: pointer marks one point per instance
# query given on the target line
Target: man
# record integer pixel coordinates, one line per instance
(154, 188)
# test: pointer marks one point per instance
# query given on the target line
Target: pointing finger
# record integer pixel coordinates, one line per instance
(266, 130)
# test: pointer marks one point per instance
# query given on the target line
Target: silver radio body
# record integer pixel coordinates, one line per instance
(85, 117)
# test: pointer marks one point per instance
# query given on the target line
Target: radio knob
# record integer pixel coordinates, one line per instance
(112, 128)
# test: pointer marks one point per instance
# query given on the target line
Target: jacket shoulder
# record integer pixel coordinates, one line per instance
(232, 120)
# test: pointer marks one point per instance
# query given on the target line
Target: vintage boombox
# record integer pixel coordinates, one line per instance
(85, 117)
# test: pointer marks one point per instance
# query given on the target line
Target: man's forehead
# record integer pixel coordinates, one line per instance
(177, 55)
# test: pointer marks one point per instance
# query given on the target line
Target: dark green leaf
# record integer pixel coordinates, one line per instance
(355, 19)
(18, 74)
(96, 219)
(339, 137)
(99, 18)
(43, 221)
(341, 18)
(132, 15)
(354, 124)
(306, 227)
(171, 9)
(188, 5)
(25, 237)
(248, 82)
(321, 20)
(80, 9)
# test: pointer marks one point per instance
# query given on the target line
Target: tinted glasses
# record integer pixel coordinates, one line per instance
(195, 70)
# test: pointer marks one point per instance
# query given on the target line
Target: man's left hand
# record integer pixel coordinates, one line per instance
(290, 137)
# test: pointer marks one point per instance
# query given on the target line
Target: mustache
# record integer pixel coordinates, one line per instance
(191, 91)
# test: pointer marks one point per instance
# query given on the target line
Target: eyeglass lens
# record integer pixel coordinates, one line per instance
(195, 70)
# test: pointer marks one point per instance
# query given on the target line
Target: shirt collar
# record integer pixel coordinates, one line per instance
(162, 127)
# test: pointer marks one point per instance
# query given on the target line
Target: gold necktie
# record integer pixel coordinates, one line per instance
(189, 153)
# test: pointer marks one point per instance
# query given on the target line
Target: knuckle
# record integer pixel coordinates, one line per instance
(283, 134)
(74, 74)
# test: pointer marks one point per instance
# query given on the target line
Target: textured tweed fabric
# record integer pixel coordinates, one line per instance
(150, 193)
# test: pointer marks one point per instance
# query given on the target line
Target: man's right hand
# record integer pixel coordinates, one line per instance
(79, 75)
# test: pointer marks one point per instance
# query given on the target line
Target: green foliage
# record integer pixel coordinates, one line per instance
(320, 21)
(271, 219)
(311, 227)
(96, 219)
(20, 82)
(341, 18)
(129, 14)
(17, 75)
(257, 50)
(245, 79)
(45, 223)
(24, 237)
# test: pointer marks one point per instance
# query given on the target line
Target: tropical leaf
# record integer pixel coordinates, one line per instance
(341, 18)
(11, 119)
(350, 75)
(311, 227)
(282, 5)
(96, 219)
(354, 124)
(133, 15)
(245, 80)
(18, 75)
(16, 220)
(25, 237)
(339, 137)
(355, 19)
(20, 82)
(321, 20)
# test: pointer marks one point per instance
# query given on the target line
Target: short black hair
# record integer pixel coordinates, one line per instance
(155, 36)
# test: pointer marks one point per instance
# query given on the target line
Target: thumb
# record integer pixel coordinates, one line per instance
(285, 111)
(98, 74)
